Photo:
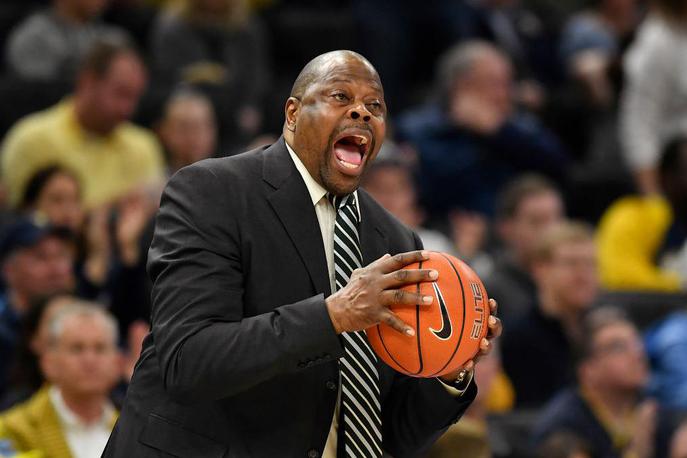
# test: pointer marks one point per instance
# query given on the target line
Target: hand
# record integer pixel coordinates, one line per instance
(134, 213)
(494, 330)
(365, 300)
(642, 445)
(477, 113)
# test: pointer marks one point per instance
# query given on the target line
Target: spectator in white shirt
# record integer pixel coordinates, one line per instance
(82, 365)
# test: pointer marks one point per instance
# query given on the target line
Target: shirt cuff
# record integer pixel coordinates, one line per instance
(457, 389)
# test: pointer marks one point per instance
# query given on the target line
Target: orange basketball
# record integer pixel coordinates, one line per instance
(447, 332)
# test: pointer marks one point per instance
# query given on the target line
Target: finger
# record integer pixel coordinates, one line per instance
(495, 327)
(409, 276)
(400, 260)
(391, 319)
(391, 297)
(493, 307)
(484, 347)
(379, 261)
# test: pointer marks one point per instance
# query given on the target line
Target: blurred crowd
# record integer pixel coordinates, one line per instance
(542, 141)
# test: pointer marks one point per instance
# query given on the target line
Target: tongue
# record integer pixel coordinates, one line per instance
(348, 153)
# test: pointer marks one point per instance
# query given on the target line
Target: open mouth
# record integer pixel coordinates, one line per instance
(350, 150)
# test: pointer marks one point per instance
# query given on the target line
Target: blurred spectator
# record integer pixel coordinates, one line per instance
(217, 43)
(473, 142)
(188, 129)
(37, 261)
(71, 417)
(678, 445)
(54, 193)
(605, 408)
(564, 271)
(666, 345)
(526, 37)
(49, 44)
(88, 133)
(642, 238)
(653, 108)
(389, 181)
(592, 42)
(528, 207)
(25, 374)
(470, 436)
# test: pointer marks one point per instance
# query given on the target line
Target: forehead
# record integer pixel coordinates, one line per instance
(616, 331)
(352, 71)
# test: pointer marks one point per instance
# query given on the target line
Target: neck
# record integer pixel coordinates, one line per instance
(89, 408)
(82, 112)
(617, 403)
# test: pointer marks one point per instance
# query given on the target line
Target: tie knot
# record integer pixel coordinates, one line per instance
(341, 202)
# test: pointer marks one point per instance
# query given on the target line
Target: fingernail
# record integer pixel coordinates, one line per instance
(492, 320)
(410, 331)
(425, 253)
(427, 299)
(433, 274)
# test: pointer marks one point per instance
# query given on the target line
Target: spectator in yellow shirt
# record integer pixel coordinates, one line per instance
(89, 133)
(642, 239)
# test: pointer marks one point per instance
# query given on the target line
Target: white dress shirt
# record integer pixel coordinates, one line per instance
(84, 440)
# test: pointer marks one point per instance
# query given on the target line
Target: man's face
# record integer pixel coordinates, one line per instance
(84, 359)
(41, 270)
(570, 276)
(113, 98)
(535, 214)
(339, 125)
(490, 81)
(618, 357)
(189, 132)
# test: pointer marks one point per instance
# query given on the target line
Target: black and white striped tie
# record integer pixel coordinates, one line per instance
(361, 408)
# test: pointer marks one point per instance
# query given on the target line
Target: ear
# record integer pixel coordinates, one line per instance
(291, 112)
(48, 365)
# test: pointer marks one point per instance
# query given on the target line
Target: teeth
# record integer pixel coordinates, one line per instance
(348, 165)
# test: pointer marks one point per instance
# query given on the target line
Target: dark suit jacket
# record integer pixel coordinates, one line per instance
(242, 357)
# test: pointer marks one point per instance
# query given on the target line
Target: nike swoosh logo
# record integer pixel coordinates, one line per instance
(446, 330)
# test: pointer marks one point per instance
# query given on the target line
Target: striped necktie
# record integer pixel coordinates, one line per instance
(360, 404)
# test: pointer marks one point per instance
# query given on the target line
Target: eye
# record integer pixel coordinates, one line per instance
(340, 97)
(374, 107)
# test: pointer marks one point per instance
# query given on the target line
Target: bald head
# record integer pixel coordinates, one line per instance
(322, 64)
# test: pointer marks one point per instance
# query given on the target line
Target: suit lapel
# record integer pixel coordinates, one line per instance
(292, 204)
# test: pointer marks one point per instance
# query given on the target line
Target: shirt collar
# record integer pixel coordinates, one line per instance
(316, 191)
(70, 419)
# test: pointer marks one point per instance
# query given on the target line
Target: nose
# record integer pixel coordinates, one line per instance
(360, 111)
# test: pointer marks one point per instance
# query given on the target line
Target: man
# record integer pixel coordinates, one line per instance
(188, 129)
(528, 207)
(604, 409)
(642, 238)
(242, 355)
(72, 416)
(89, 133)
(473, 142)
(49, 44)
(564, 271)
(37, 261)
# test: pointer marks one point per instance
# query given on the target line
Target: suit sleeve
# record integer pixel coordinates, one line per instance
(205, 346)
(417, 411)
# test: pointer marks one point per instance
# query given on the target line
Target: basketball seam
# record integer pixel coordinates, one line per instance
(462, 328)
(381, 339)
